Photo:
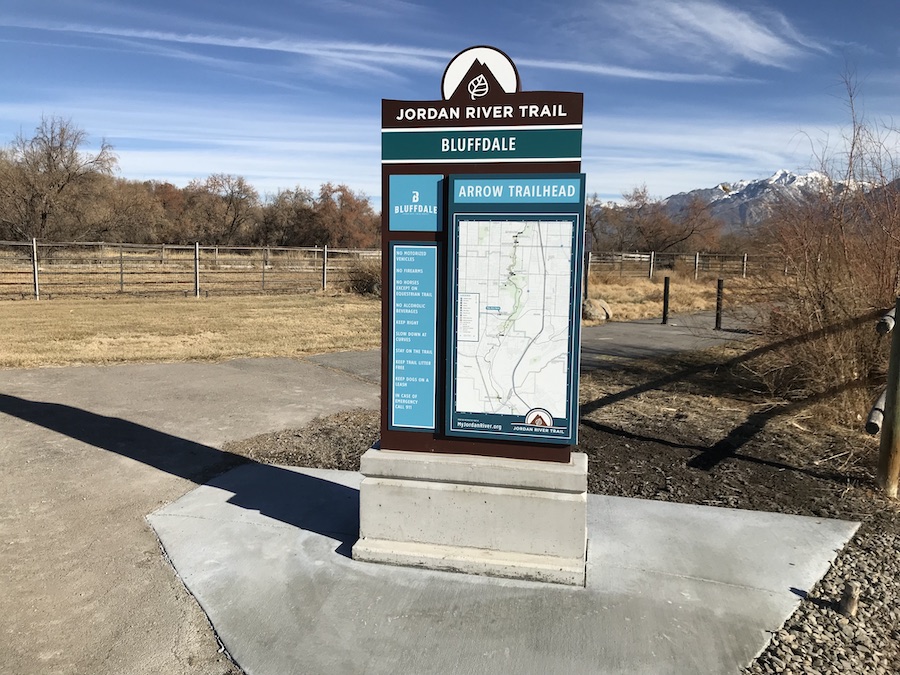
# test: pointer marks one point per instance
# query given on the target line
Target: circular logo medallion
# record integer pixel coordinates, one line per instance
(498, 63)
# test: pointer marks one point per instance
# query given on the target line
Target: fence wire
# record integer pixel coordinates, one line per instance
(698, 265)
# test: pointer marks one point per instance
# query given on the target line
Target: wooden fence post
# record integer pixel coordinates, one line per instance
(34, 267)
(264, 263)
(889, 449)
(197, 269)
(652, 263)
(121, 269)
(324, 267)
(744, 267)
(696, 265)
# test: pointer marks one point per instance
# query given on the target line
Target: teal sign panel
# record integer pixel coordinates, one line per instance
(522, 190)
(484, 145)
(415, 203)
(413, 369)
(514, 307)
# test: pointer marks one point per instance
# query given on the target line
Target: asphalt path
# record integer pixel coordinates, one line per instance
(86, 453)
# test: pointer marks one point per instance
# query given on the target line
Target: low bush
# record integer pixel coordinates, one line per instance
(364, 277)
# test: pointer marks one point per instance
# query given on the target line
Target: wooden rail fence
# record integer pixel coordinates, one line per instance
(46, 269)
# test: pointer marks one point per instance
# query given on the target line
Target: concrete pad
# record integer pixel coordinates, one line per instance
(670, 588)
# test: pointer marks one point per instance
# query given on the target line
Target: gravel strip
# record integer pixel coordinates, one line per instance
(818, 639)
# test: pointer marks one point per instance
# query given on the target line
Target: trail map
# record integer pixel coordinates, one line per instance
(513, 317)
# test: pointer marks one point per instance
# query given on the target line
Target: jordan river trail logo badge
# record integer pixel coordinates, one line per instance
(478, 72)
(538, 417)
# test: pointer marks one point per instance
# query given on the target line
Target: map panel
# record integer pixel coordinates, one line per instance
(513, 316)
(513, 326)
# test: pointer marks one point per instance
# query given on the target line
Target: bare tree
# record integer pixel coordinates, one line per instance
(222, 209)
(126, 211)
(842, 247)
(289, 218)
(46, 179)
(347, 217)
(641, 223)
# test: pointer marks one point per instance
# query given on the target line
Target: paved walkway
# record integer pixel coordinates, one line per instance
(86, 453)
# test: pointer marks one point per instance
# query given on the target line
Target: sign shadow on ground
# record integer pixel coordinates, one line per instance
(296, 499)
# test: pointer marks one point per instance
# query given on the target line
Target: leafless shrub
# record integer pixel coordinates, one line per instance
(842, 249)
(364, 277)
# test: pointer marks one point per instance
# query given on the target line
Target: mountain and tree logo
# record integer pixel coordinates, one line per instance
(478, 72)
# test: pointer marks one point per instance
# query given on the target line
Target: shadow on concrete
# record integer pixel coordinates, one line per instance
(296, 499)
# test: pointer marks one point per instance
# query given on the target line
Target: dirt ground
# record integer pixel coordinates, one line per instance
(684, 430)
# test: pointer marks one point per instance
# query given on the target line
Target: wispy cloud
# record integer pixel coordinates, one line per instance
(363, 56)
(180, 141)
(606, 70)
(677, 155)
(366, 58)
(371, 8)
(711, 32)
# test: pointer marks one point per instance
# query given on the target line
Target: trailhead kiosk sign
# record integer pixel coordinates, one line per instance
(515, 307)
(482, 238)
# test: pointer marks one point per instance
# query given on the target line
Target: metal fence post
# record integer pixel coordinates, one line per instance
(587, 277)
(720, 291)
(34, 267)
(665, 317)
(324, 266)
(197, 269)
(889, 449)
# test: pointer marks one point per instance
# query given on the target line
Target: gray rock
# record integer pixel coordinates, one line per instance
(595, 310)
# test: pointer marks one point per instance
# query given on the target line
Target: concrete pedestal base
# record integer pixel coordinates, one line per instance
(478, 515)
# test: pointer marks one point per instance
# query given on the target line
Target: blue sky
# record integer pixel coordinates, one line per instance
(679, 94)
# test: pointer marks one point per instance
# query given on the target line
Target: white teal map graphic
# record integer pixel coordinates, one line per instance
(512, 315)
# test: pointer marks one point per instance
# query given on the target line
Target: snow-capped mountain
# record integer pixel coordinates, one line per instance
(749, 202)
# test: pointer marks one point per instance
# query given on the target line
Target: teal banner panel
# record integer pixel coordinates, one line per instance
(483, 145)
(517, 191)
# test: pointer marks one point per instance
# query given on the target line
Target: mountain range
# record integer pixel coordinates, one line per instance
(749, 202)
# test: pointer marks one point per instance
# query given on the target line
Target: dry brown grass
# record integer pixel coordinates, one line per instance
(116, 330)
(633, 298)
